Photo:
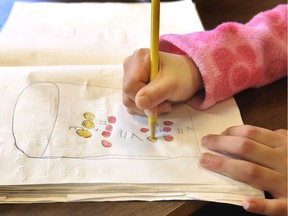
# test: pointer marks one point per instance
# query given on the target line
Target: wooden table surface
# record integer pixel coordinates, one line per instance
(264, 107)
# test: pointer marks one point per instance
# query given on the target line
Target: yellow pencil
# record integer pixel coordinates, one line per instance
(154, 53)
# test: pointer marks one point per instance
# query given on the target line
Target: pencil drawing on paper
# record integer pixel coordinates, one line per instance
(88, 127)
(72, 121)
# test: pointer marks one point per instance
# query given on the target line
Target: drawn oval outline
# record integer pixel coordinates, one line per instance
(34, 118)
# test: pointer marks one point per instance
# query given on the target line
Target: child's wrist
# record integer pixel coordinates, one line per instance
(197, 81)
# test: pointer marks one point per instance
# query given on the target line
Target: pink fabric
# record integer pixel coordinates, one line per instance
(235, 56)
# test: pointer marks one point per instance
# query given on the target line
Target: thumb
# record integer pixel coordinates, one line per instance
(154, 93)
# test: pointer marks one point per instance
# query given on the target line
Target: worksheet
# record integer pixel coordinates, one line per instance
(63, 125)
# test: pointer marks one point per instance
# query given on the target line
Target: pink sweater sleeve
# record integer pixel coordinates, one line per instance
(233, 56)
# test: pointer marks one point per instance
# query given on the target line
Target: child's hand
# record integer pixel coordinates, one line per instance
(260, 160)
(178, 79)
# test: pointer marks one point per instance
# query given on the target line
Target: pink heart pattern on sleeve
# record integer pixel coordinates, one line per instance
(234, 56)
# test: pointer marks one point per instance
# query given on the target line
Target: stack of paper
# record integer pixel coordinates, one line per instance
(64, 133)
(86, 33)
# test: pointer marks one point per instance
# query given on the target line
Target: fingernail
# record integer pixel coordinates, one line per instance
(203, 141)
(204, 159)
(151, 112)
(248, 205)
(148, 113)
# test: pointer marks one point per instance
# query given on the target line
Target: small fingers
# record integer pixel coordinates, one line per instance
(243, 148)
(244, 171)
(133, 109)
(272, 207)
(136, 74)
(257, 134)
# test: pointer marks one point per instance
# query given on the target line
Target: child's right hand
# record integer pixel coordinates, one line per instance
(178, 79)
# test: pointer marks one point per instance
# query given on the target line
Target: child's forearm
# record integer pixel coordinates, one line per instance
(233, 56)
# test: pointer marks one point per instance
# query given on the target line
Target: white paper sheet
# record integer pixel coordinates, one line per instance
(86, 33)
(40, 146)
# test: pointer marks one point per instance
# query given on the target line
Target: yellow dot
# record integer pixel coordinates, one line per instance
(89, 116)
(88, 124)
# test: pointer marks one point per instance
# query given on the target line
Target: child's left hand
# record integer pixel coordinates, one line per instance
(260, 160)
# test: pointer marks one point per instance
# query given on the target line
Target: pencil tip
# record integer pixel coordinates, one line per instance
(152, 139)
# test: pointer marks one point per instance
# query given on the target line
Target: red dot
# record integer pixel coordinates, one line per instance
(168, 138)
(106, 143)
(112, 119)
(166, 129)
(168, 123)
(106, 134)
(144, 130)
(109, 128)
